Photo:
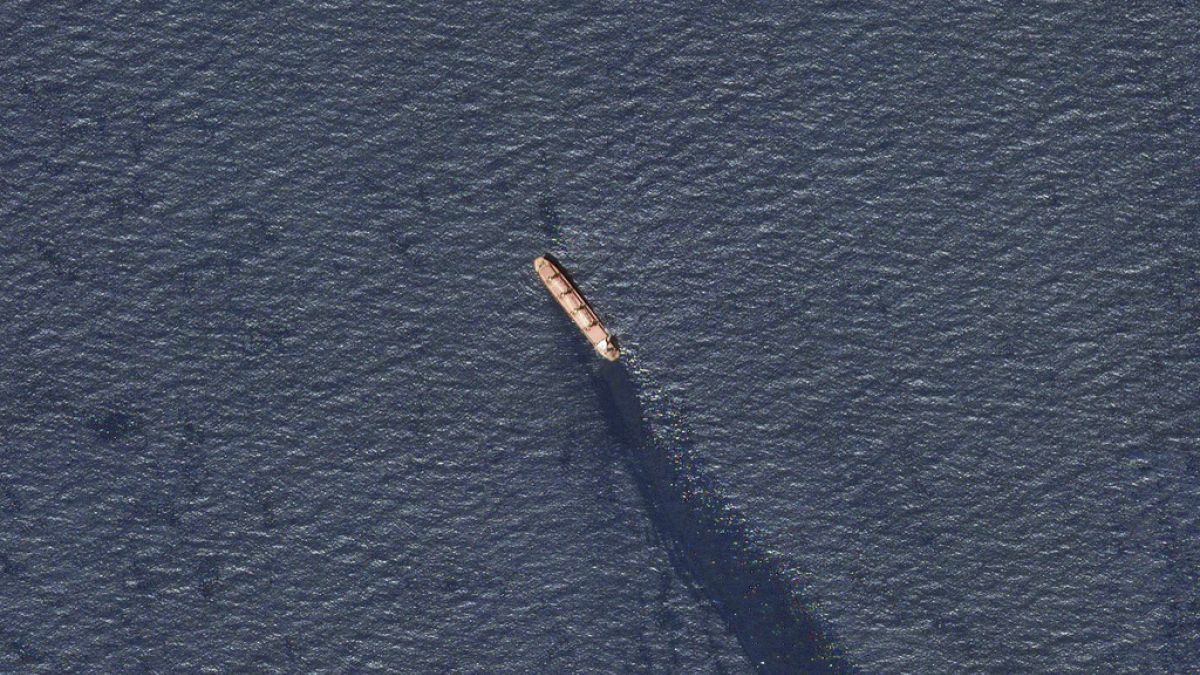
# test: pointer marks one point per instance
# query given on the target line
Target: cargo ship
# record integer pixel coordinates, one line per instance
(568, 295)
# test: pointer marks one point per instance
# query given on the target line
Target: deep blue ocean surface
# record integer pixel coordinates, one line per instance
(910, 294)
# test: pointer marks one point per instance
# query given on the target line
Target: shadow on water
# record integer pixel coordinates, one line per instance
(707, 541)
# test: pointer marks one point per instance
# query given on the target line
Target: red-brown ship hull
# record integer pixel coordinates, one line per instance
(571, 299)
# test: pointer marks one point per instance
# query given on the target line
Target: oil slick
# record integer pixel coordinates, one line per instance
(708, 542)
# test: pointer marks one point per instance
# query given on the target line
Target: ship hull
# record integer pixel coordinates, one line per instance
(568, 296)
